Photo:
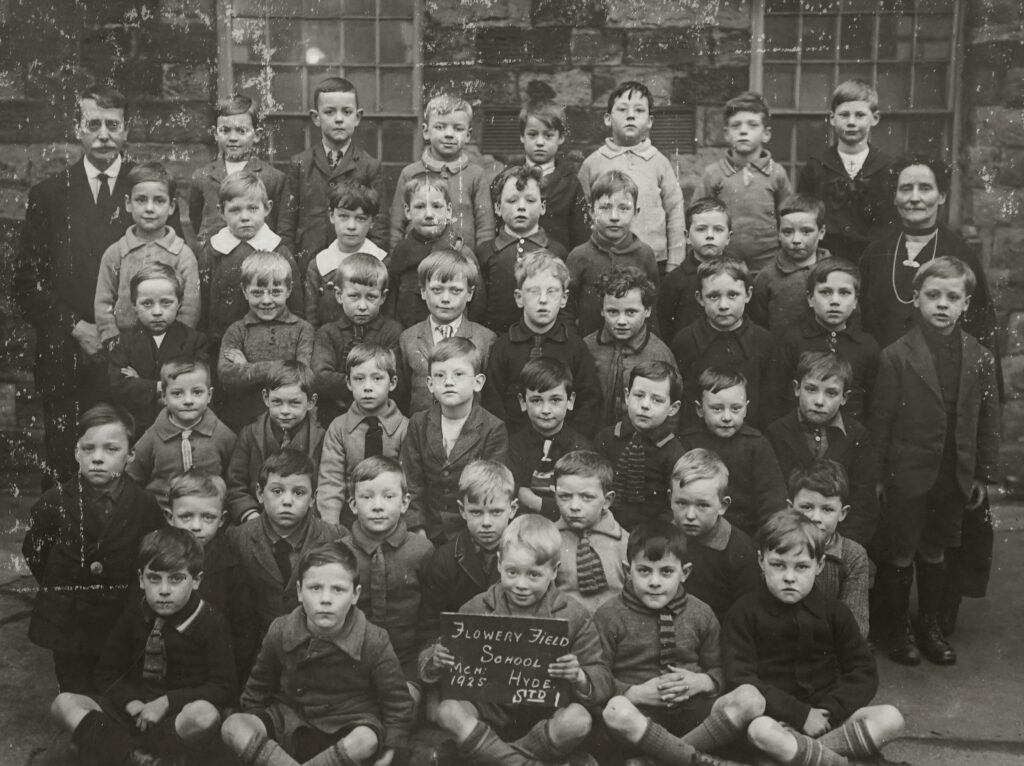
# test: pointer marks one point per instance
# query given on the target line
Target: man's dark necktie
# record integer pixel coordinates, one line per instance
(629, 471)
(154, 663)
(103, 196)
(590, 577)
(283, 557)
(373, 441)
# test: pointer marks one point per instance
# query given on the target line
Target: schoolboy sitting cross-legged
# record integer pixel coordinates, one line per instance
(137, 354)
(443, 440)
(547, 397)
(642, 446)
(271, 544)
(724, 564)
(392, 560)
(371, 426)
(756, 485)
(327, 689)
(803, 651)
(663, 648)
(289, 421)
(820, 429)
(493, 734)
(593, 542)
(166, 670)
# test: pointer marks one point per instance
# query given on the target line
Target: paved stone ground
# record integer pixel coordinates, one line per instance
(968, 714)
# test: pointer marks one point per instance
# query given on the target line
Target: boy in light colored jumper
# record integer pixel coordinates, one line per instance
(661, 220)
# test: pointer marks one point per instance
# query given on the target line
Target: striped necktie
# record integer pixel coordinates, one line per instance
(629, 471)
(590, 577)
(537, 350)
(666, 639)
(154, 663)
(378, 587)
(186, 449)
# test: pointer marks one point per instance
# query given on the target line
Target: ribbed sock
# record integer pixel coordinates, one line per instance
(102, 740)
(265, 752)
(659, 743)
(335, 755)
(810, 752)
(537, 743)
(715, 731)
(851, 739)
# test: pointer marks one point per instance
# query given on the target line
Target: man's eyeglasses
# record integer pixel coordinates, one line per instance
(94, 126)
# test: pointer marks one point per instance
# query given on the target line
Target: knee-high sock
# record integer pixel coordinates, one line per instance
(335, 755)
(663, 746)
(810, 752)
(488, 749)
(715, 731)
(852, 739)
(266, 752)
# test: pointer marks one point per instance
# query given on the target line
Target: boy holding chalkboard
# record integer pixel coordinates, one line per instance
(503, 735)
(663, 648)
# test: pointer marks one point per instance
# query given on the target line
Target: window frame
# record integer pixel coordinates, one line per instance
(954, 86)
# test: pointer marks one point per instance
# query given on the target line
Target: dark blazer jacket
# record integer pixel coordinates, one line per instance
(304, 223)
(566, 217)
(434, 477)
(908, 419)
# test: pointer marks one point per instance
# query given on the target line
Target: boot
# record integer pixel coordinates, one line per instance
(931, 580)
(893, 586)
(949, 609)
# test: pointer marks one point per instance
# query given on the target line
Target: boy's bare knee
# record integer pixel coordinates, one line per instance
(572, 723)
(760, 732)
(361, 743)
(239, 728)
(69, 709)
(890, 721)
(744, 703)
(619, 713)
(452, 715)
(197, 718)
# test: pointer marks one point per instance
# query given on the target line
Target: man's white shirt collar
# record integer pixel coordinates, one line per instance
(92, 173)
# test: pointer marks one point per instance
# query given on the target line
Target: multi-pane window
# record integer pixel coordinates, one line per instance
(905, 48)
(277, 50)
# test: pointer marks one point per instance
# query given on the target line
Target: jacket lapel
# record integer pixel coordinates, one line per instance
(920, 360)
(469, 437)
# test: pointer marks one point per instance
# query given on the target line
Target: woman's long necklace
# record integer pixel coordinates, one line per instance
(908, 261)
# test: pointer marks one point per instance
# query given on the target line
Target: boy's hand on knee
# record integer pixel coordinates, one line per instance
(133, 707)
(152, 713)
(385, 757)
(568, 667)
(817, 722)
(978, 496)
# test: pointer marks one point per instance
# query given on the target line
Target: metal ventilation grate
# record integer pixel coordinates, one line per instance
(674, 131)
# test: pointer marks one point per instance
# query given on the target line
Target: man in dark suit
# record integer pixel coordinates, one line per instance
(72, 218)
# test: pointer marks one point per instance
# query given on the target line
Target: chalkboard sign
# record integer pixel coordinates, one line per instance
(505, 659)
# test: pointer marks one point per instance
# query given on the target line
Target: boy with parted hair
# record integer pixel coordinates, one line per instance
(443, 440)
(305, 222)
(724, 564)
(244, 206)
(448, 281)
(236, 132)
(136, 355)
(819, 429)
(371, 426)
(187, 433)
(498, 735)
(289, 421)
(150, 201)
(750, 183)
(643, 446)
(935, 425)
(353, 208)
(542, 131)
(852, 176)
(661, 220)
(612, 243)
(447, 124)
(663, 648)
(547, 396)
(166, 670)
(626, 339)
(361, 287)
(543, 288)
(804, 653)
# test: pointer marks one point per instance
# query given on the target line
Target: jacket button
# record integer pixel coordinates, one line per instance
(332, 183)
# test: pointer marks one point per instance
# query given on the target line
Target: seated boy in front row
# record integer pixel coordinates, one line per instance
(287, 422)
(392, 561)
(81, 545)
(663, 649)
(166, 670)
(804, 652)
(819, 491)
(546, 396)
(271, 544)
(756, 485)
(642, 446)
(724, 564)
(443, 440)
(371, 426)
(593, 542)
(492, 734)
(327, 688)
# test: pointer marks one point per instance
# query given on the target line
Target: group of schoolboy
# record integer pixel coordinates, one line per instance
(493, 422)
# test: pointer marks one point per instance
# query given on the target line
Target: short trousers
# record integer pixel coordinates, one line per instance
(301, 739)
